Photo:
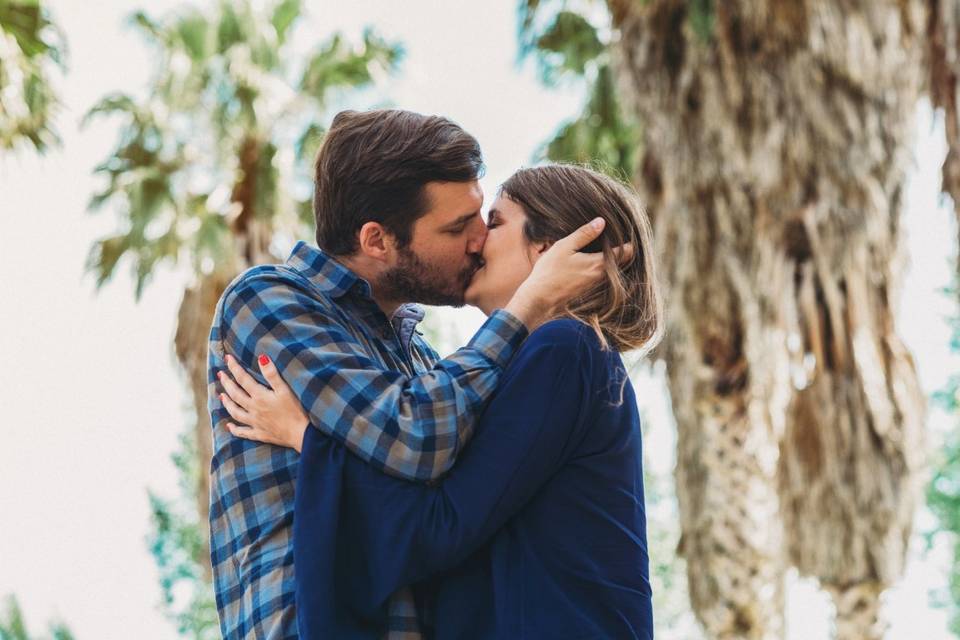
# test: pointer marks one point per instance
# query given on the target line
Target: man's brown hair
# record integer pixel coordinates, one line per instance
(373, 167)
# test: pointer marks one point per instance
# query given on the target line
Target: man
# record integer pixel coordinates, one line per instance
(397, 207)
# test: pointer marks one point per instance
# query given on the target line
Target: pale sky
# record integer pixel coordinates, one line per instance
(91, 398)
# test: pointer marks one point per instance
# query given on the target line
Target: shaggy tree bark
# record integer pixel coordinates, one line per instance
(943, 65)
(774, 141)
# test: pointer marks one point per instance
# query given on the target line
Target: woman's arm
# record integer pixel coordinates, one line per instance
(395, 533)
(392, 533)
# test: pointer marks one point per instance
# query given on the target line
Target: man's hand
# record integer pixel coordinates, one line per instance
(560, 275)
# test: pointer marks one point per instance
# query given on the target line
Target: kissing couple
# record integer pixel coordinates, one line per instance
(364, 487)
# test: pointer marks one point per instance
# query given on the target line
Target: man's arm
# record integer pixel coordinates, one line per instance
(394, 533)
(410, 427)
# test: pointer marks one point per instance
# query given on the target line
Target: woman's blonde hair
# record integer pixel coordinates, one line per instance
(625, 308)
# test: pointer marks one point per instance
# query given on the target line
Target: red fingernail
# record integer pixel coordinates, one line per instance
(264, 360)
(220, 374)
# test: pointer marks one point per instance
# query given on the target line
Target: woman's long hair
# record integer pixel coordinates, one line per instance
(625, 308)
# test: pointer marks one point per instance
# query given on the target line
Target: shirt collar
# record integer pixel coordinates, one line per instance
(325, 272)
(407, 311)
(335, 280)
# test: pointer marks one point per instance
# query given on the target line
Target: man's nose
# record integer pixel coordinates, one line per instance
(477, 240)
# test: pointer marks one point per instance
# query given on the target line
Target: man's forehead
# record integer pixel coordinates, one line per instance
(449, 201)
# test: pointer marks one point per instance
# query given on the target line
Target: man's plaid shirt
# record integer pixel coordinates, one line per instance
(370, 382)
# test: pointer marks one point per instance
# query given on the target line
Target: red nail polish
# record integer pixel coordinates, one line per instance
(264, 360)
(220, 374)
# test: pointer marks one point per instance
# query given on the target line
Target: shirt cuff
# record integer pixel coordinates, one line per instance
(499, 337)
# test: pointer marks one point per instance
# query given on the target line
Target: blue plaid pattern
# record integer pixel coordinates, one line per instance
(368, 381)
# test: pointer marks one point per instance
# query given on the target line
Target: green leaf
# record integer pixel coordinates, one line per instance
(193, 31)
(569, 44)
(104, 256)
(25, 21)
(337, 64)
(284, 15)
(230, 30)
(110, 104)
(147, 25)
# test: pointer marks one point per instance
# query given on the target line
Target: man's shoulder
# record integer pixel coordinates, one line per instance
(267, 291)
(266, 285)
(266, 276)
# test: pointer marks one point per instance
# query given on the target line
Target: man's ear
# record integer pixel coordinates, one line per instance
(375, 241)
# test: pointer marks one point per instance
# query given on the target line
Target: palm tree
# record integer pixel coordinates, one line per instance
(211, 163)
(30, 44)
(772, 142)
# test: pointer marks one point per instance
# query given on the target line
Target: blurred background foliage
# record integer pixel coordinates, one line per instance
(14, 627)
(212, 164)
(943, 491)
(32, 51)
(570, 42)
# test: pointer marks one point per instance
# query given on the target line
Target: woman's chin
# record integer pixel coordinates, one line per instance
(471, 297)
(474, 297)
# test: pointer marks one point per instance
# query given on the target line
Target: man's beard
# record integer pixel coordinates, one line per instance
(413, 280)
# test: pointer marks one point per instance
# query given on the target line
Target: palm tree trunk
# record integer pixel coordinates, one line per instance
(943, 62)
(853, 445)
(773, 166)
(193, 332)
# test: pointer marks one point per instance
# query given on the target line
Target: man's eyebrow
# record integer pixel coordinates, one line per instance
(462, 220)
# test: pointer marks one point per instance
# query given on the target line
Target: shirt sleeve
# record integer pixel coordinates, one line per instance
(412, 427)
(397, 534)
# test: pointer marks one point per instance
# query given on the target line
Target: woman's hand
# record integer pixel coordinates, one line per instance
(274, 416)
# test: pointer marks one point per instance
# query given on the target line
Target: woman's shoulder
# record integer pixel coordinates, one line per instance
(564, 331)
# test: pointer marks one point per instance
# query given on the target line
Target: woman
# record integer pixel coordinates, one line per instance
(548, 497)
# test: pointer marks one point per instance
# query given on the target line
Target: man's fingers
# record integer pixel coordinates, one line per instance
(236, 411)
(233, 390)
(623, 253)
(243, 378)
(583, 236)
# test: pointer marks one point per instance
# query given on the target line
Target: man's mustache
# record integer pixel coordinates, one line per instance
(476, 263)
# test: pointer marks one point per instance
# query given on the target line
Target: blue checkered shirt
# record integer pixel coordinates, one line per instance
(370, 382)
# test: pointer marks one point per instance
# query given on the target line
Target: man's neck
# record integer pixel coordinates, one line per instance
(369, 272)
